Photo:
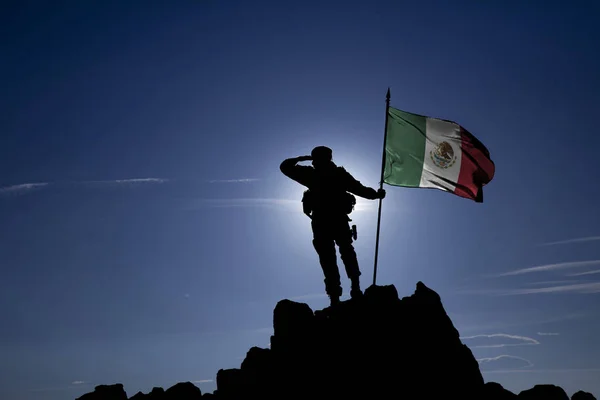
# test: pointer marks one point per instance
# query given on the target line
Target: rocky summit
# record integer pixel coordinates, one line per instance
(376, 347)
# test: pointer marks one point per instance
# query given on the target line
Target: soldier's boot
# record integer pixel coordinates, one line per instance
(355, 291)
(334, 291)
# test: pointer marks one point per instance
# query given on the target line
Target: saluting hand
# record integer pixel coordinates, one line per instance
(304, 158)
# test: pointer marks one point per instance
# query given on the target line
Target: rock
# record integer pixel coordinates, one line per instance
(374, 347)
(543, 392)
(230, 383)
(377, 346)
(495, 391)
(157, 393)
(183, 391)
(581, 395)
(292, 324)
(106, 392)
(257, 367)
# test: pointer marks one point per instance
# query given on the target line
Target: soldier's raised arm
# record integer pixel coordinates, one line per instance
(355, 187)
(299, 173)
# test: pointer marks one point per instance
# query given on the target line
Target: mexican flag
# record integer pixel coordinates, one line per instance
(427, 152)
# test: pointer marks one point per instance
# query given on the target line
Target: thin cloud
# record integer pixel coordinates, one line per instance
(501, 338)
(527, 320)
(543, 283)
(28, 187)
(478, 291)
(245, 202)
(575, 240)
(586, 273)
(203, 381)
(242, 180)
(551, 267)
(548, 334)
(126, 181)
(309, 296)
(78, 382)
(21, 188)
(582, 288)
(543, 371)
(291, 204)
(141, 180)
(506, 360)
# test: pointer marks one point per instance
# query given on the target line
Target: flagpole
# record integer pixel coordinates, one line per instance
(387, 107)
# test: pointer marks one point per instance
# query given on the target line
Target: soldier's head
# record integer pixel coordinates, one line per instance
(322, 156)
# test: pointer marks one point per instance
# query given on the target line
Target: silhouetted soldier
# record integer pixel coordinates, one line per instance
(328, 203)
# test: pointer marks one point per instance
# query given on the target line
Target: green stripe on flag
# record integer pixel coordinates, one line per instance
(404, 148)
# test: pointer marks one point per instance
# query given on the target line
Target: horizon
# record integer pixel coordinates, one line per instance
(146, 231)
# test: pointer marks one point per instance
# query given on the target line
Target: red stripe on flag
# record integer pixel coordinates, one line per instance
(476, 168)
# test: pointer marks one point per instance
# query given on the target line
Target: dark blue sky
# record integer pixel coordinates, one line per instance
(146, 232)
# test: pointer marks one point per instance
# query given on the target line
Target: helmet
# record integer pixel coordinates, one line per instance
(322, 153)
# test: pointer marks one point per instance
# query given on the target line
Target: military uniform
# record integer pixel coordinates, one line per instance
(329, 198)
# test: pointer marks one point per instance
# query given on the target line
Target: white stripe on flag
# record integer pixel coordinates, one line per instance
(441, 160)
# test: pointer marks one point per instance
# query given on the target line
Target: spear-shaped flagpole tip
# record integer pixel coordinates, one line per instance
(387, 96)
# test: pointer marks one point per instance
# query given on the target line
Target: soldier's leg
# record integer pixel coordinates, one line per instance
(323, 242)
(343, 238)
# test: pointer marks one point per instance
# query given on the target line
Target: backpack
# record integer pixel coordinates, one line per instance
(346, 203)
